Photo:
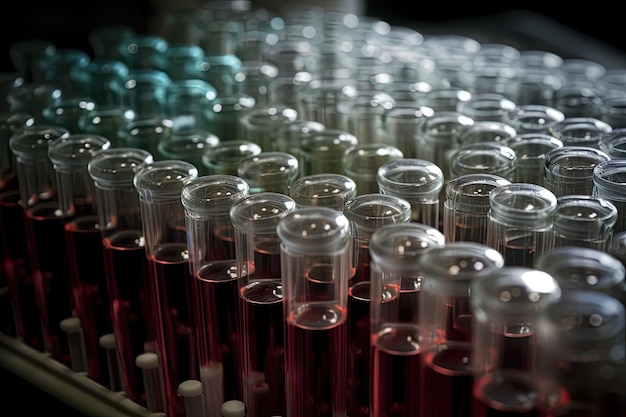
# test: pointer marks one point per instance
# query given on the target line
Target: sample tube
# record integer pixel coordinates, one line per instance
(505, 304)
(583, 220)
(315, 265)
(520, 222)
(394, 339)
(321, 152)
(324, 190)
(269, 171)
(609, 182)
(568, 170)
(446, 324)
(43, 225)
(366, 213)
(125, 259)
(466, 207)
(261, 323)
(577, 335)
(361, 163)
(159, 185)
(530, 151)
(416, 180)
(77, 202)
(483, 157)
(207, 201)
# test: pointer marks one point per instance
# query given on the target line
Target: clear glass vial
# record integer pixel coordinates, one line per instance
(609, 182)
(568, 170)
(520, 222)
(325, 190)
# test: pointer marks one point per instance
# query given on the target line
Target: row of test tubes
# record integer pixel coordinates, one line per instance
(318, 214)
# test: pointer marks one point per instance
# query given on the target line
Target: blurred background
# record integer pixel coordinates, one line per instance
(591, 31)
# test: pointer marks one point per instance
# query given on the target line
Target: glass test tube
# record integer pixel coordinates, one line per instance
(361, 163)
(577, 335)
(609, 182)
(324, 190)
(416, 180)
(19, 311)
(395, 349)
(43, 225)
(159, 186)
(315, 267)
(568, 170)
(466, 207)
(321, 152)
(446, 324)
(530, 151)
(505, 304)
(520, 222)
(269, 171)
(583, 220)
(207, 201)
(261, 323)
(582, 268)
(83, 241)
(366, 213)
(125, 260)
(483, 157)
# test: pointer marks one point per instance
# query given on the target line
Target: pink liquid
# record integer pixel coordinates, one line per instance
(262, 346)
(315, 361)
(46, 239)
(17, 271)
(396, 372)
(171, 295)
(86, 264)
(447, 382)
(215, 309)
(126, 267)
(359, 349)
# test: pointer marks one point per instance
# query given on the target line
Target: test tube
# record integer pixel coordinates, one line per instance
(609, 182)
(580, 131)
(125, 259)
(483, 157)
(569, 169)
(519, 224)
(394, 380)
(225, 157)
(446, 324)
(416, 180)
(584, 220)
(261, 324)
(159, 186)
(269, 171)
(361, 163)
(578, 334)
(402, 127)
(315, 267)
(583, 268)
(366, 213)
(43, 225)
(322, 152)
(466, 207)
(505, 305)
(261, 122)
(207, 201)
(19, 312)
(324, 190)
(530, 151)
(77, 202)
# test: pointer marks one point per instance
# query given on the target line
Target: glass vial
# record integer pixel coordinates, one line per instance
(125, 261)
(530, 151)
(395, 293)
(315, 265)
(361, 163)
(207, 201)
(485, 157)
(446, 324)
(419, 182)
(325, 190)
(159, 185)
(505, 305)
(261, 323)
(520, 222)
(609, 182)
(466, 207)
(269, 171)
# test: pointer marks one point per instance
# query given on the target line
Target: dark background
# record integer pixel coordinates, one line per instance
(595, 30)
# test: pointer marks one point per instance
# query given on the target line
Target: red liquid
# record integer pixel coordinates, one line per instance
(17, 270)
(359, 349)
(171, 295)
(362, 265)
(262, 346)
(447, 382)
(86, 264)
(315, 361)
(396, 369)
(520, 252)
(126, 267)
(46, 239)
(319, 283)
(215, 310)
